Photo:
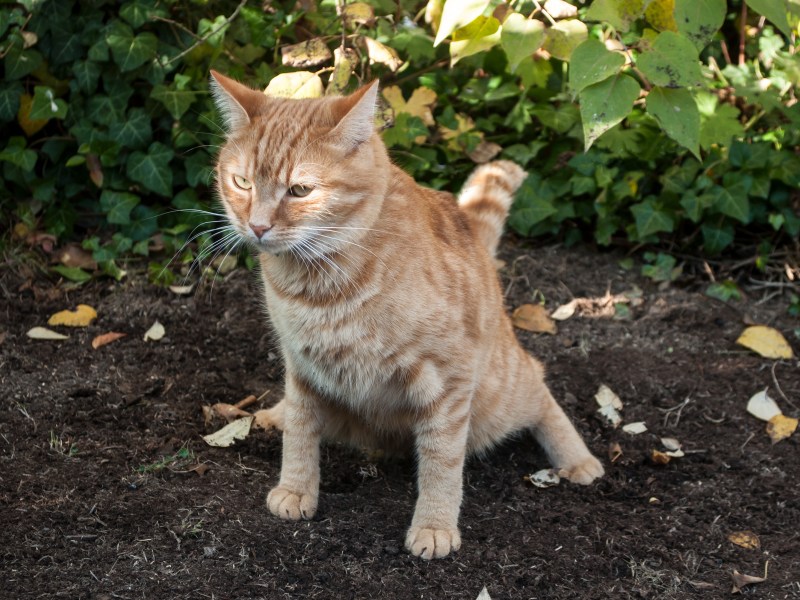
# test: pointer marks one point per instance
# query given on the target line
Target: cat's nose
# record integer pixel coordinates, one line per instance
(260, 230)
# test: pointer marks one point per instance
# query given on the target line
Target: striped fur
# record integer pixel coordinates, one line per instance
(385, 302)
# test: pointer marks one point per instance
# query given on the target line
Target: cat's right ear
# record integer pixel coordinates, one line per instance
(237, 103)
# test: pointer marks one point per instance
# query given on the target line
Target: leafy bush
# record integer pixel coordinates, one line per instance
(637, 119)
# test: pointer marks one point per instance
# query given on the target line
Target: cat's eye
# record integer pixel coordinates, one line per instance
(300, 191)
(241, 182)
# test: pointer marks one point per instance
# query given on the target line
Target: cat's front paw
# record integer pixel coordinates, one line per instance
(586, 471)
(428, 543)
(286, 504)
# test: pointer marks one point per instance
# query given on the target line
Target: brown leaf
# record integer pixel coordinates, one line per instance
(229, 412)
(614, 452)
(357, 13)
(95, 169)
(745, 539)
(75, 256)
(533, 317)
(380, 53)
(484, 152)
(740, 580)
(106, 338)
(306, 54)
(659, 458)
(200, 468)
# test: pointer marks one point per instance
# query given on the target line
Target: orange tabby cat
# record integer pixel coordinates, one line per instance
(385, 302)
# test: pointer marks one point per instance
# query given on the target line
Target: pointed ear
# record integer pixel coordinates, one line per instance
(237, 103)
(356, 117)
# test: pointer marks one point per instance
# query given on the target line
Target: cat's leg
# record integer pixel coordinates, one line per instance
(296, 495)
(441, 442)
(271, 418)
(556, 434)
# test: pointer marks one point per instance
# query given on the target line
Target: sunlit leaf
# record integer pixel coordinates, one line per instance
(605, 104)
(456, 14)
(766, 341)
(82, 316)
(520, 38)
(671, 62)
(591, 63)
(299, 84)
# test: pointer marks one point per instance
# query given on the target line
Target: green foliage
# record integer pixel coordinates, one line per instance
(632, 119)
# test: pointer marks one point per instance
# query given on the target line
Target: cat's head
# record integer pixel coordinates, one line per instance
(299, 175)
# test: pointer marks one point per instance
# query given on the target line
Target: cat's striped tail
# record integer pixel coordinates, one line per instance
(486, 198)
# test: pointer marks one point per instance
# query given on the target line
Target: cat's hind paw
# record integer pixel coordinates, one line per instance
(586, 471)
(293, 506)
(428, 543)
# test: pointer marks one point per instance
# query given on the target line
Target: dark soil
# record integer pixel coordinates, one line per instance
(91, 508)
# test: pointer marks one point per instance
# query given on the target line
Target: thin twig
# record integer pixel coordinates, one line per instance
(780, 391)
(742, 33)
(210, 34)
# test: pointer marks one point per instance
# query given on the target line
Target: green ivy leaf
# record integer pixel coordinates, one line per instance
(562, 38)
(87, 74)
(520, 38)
(152, 169)
(672, 62)
(133, 131)
(676, 112)
(716, 238)
(118, 206)
(139, 12)
(198, 168)
(46, 106)
(651, 219)
(775, 11)
(72, 273)
(695, 205)
(481, 34)
(591, 63)
(734, 204)
(558, 118)
(605, 104)
(618, 13)
(177, 102)
(724, 290)
(721, 127)
(699, 20)
(130, 51)
(533, 204)
(18, 62)
(17, 154)
(10, 92)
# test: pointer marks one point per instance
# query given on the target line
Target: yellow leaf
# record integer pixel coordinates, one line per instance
(343, 62)
(29, 126)
(659, 458)
(745, 539)
(465, 124)
(455, 15)
(766, 341)
(563, 37)
(81, 317)
(781, 427)
(419, 104)
(306, 54)
(380, 53)
(533, 317)
(299, 84)
(661, 15)
(357, 13)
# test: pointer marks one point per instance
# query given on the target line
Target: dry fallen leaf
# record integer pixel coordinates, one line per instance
(610, 415)
(42, 333)
(781, 427)
(181, 290)
(762, 406)
(310, 53)
(75, 256)
(380, 53)
(614, 451)
(106, 338)
(229, 412)
(558, 9)
(155, 333)
(740, 580)
(565, 311)
(484, 595)
(533, 317)
(635, 428)
(766, 341)
(659, 458)
(484, 152)
(545, 478)
(80, 317)
(605, 396)
(745, 539)
(237, 430)
(199, 468)
(671, 443)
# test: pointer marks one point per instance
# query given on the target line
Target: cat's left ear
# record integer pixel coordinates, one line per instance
(237, 103)
(356, 117)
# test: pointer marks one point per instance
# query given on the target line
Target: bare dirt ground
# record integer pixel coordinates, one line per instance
(100, 495)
